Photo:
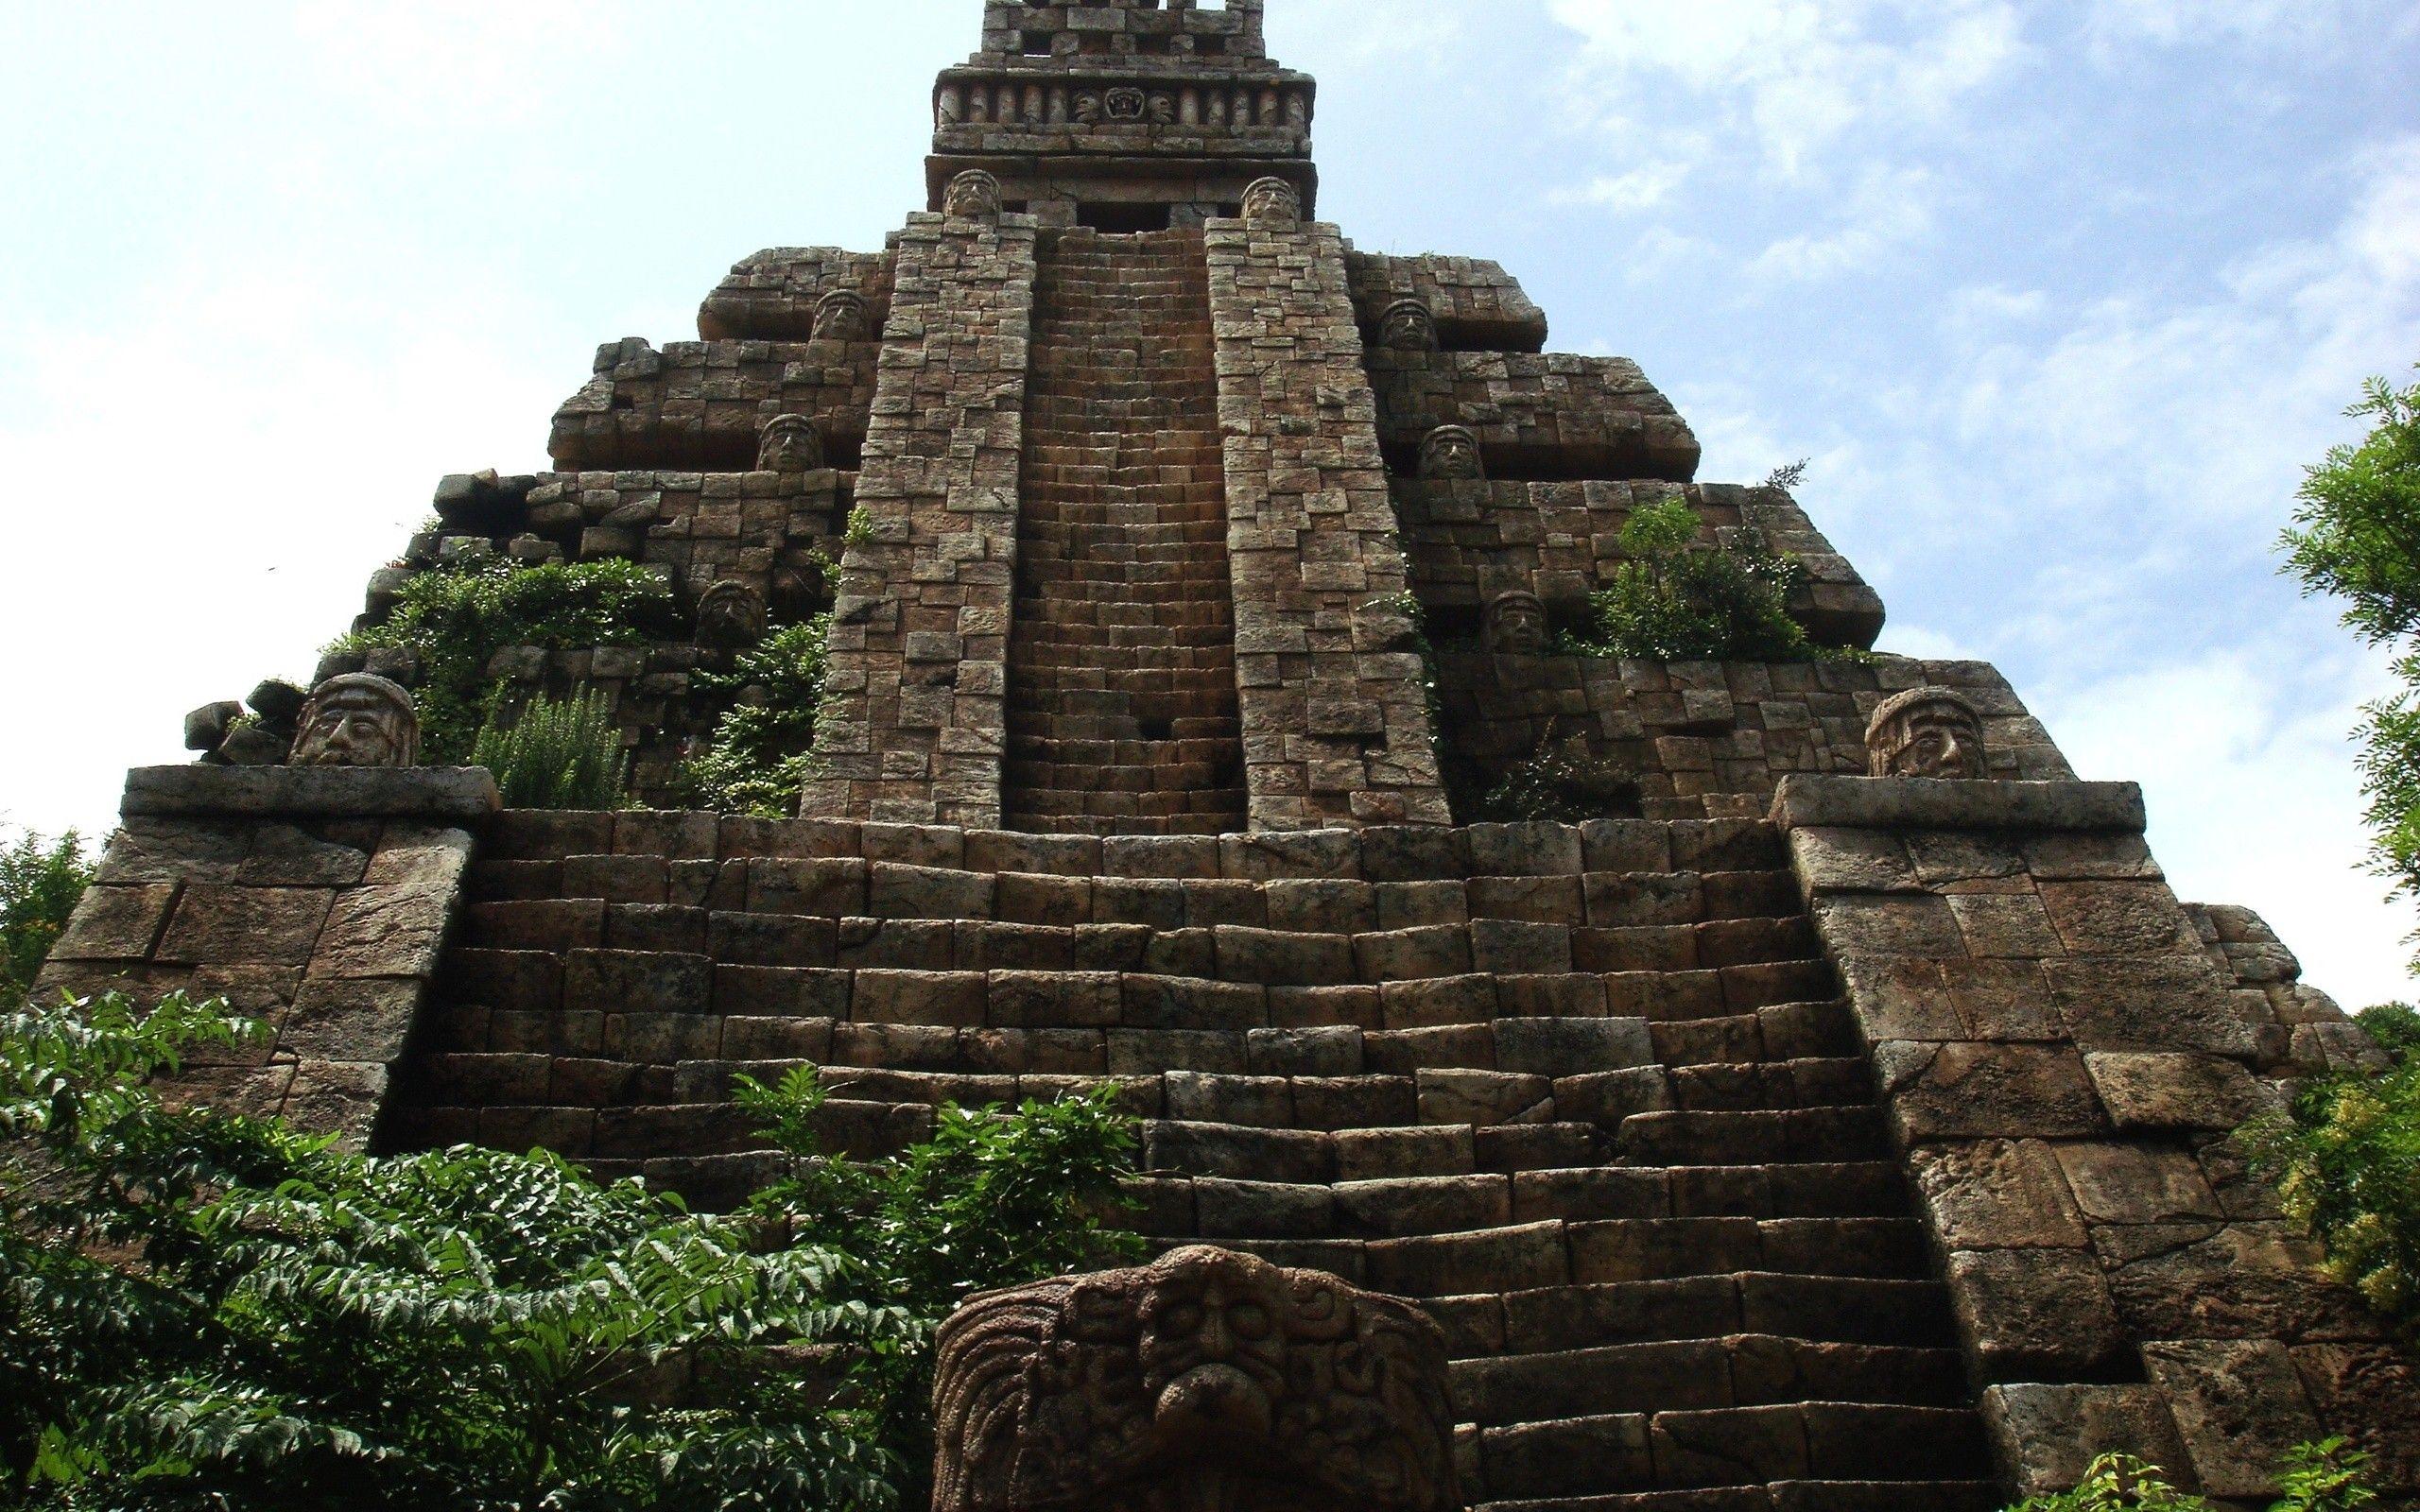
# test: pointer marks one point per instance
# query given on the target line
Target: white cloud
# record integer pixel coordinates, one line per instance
(1889, 209)
(2253, 797)
(1641, 188)
(1793, 75)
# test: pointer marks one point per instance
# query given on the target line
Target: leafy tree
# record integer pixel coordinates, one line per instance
(199, 1311)
(2347, 1158)
(759, 761)
(40, 883)
(1671, 602)
(2357, 536)
(556, 755)
(455, 619)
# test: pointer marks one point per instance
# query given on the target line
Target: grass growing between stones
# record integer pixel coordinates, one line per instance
(199, 1310)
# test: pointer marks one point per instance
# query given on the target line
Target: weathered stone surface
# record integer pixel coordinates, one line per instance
(1968, 1091)
(2175, 1091)
(2032, 1314)
(437, 793)
(2239, 1407)
(1905, 803)
(2050, 1436)
(1999, 1194)
(1209, 1379)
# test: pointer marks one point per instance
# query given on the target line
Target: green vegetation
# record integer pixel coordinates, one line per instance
(40, 883)
(2326, 1477)
(1671, 603)
(2346, 1159)
(760, 760)
(199, 1311)
(556, 755)
(2357, 536)
(1563, 783)
(455, 620)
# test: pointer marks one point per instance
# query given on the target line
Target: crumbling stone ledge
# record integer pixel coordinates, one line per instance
(461, 793)
(1816, 803)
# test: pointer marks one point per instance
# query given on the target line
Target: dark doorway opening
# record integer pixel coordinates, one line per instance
(1124, 220)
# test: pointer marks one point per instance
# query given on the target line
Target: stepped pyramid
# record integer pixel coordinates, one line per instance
(1788, 1139)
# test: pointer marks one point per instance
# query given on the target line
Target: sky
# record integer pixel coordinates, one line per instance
(2059, 297)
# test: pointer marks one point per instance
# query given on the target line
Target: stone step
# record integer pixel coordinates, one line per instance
(1702, 1374)
(1786, 1496)
(1829, 1309)
(1788, 1136)
(1799, 1447)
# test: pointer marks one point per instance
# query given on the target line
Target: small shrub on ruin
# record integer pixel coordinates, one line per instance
(2394, 1025)
(2347, 1161)
(760, 759)
(2330, 1476)
(2118, 1482)
(1670, 601)
(204, 1311)
(558, 754)
(1563, 783)
(40, 882)
(455, 620)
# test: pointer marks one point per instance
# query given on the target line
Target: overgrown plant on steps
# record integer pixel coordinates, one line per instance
(201, 1311)
(557, 754)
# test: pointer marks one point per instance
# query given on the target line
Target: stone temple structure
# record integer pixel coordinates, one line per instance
(1837, 1123)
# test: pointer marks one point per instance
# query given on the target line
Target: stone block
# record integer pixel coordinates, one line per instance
(268, 926)
(630, 983)
(2172, 1002)
(2366, 1393)
(2137, 1184)
(2119, 918)
(1966, 1090)
(365, 1022)
(2239, 1407)
(2236, 1280)
(1807, 801)
(2049, 1435)
(1998, 1195)
(456, 794)
(115, 923)
(1879, 926)
(1570, 1047)
(2008, 926)
(1830, 861)
(2036, 1314)
(2175, 1091)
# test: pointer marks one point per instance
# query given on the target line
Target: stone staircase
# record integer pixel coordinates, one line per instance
(1587, 1095)
(1122, 708)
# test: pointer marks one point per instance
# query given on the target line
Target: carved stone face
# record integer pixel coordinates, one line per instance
(790, 443)
(1274, 201)
(1927, 733)
(1451, 452)
(973, 195)
(358, 720)
(731, 614)
(1516, 625)
(1407, 326)
(842, 316)
(1207, 1382)
(1126, 103)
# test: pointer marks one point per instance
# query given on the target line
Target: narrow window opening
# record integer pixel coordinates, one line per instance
(1124, 220)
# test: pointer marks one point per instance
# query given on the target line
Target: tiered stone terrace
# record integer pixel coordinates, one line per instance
(1590, 1093)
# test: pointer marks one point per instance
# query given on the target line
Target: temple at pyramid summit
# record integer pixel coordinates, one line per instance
(1829, 1112)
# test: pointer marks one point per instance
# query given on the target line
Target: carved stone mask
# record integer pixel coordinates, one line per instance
(1407, 326)
(790, 443)
(1274, 201)
(1927, 733)
(974, 195)
(1126, 103)
(1209, 1382)
(1516, 625)
(1451, 452)
(358, 720)
(731, 614)
(842, 316)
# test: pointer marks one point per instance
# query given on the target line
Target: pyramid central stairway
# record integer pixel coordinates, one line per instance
(1588, 1094)
(1122, 707)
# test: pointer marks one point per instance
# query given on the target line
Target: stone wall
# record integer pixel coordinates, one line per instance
(1476, 305)
(1336, 725)
(915, 720)
(318, 901)
(2064, 1060)
(1537, 414)
(772, 296)
(699, 405)
(1472, 541)
(1706, 737)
